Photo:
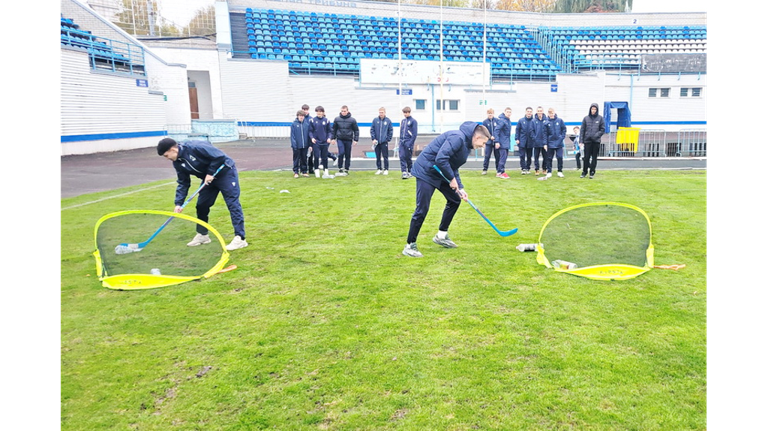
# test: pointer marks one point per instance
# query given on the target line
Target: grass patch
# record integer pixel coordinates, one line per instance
(326, 325)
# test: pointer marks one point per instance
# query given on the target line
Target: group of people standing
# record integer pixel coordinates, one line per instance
(542, 137)
(312, 136)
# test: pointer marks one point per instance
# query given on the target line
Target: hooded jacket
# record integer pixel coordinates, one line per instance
(503, 132)
(592, 127)
(555, 132)
(448, 151)
(345, 128)
(198, 158)
(300, 134)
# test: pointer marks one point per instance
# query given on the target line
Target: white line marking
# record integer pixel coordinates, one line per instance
(116, 196)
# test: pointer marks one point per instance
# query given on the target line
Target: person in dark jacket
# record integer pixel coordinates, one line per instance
(448, 152)
(555, 137)
(320, 135)
(409, 130)
(539, 139)
(503, 133)
(381, 134)
(300, 143)
(201, 159)
(524, 140)
(490, 146)
(345, 134)
(592, 130)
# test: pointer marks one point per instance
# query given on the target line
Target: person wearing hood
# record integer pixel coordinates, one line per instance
(448, 152)
(503, 134)
(555, 137)
(539, 140)
(345, 134)
(592, 130)
(300, 143)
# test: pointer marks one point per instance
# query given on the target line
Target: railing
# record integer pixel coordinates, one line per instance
(207, 130)
(107, 54)
(658, 143)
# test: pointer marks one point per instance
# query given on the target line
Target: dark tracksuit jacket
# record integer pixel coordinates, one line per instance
(503, 134)
(201, 158)
(539, 139)
(524, 136)
(320, 131)
(490, 146)
(555, 136)
(381, 131)
(409, 130)
(448, 151)
(299, 144)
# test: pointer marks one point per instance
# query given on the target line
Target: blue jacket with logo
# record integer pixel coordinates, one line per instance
(448, 151)
(555, 132)
(539, 135)
(320, 130)
(198, 158)
(409, 129)
(381, 130)
(490, 124)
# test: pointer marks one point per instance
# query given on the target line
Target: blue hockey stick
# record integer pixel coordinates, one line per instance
(126, 248)
(500, 232)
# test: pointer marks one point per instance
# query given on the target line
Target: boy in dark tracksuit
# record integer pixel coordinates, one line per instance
(555, 136)
(539, 139)
(503, 133)
(490, 146)
(409, 130)
(448, 152)
(381, 134)
(524, 140)
(201, 159)
(346, 134)
(300, 143)
(320, 135)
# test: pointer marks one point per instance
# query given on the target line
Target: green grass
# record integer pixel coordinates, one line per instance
(326, 325)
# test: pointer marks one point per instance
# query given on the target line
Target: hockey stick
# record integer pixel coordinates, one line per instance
(126, 248)
(502, 233)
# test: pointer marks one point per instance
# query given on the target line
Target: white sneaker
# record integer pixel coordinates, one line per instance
(378, 172)
(560, 174)
(236, 243)
(386, 172)
(412, 251)
(549, 174)
(317, 173)
(199, 239)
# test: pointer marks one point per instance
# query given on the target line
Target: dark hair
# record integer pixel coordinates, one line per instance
(164, 145)
(305, 106)
(319, 109)
(482, 130)
(406, 109)
(300, 113)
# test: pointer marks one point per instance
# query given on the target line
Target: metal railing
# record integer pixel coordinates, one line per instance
(658, 143)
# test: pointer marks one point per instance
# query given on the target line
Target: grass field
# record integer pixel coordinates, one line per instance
(326, 325)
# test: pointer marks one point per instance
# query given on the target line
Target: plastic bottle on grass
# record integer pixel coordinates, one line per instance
(563, 264)
(527, 247)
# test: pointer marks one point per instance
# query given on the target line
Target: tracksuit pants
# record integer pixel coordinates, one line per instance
(228, 183)
(382, 151)
(555, 153)
(591, 150)
(525, 158)
(300, 161)
(491, 149)
(424, 192)
(406, 155)
(503, 154)
(539, 151)
(345, 154)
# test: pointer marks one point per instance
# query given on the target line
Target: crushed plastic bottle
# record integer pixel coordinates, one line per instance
(563, 264)
(155, 271)
(527, 247)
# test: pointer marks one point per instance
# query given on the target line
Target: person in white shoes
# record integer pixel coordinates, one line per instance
(447, 152)
(381, 134)
(201, 159)
(555, 133)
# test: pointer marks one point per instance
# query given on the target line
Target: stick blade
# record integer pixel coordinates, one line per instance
(127, 248)
(509, 232)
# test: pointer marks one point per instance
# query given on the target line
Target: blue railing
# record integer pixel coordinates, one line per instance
(104, 54)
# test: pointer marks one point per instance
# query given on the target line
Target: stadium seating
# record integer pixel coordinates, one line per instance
(336, 43)
(103, 53)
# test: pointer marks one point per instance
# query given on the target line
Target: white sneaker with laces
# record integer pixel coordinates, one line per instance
(317, 173)
(199, 239)
(560, 174)
(385, 172)
(236, 243)
(412, 251)
(378, 172)
(549, 174)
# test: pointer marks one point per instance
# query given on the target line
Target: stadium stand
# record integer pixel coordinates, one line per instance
(104, 54)
(333, 43)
